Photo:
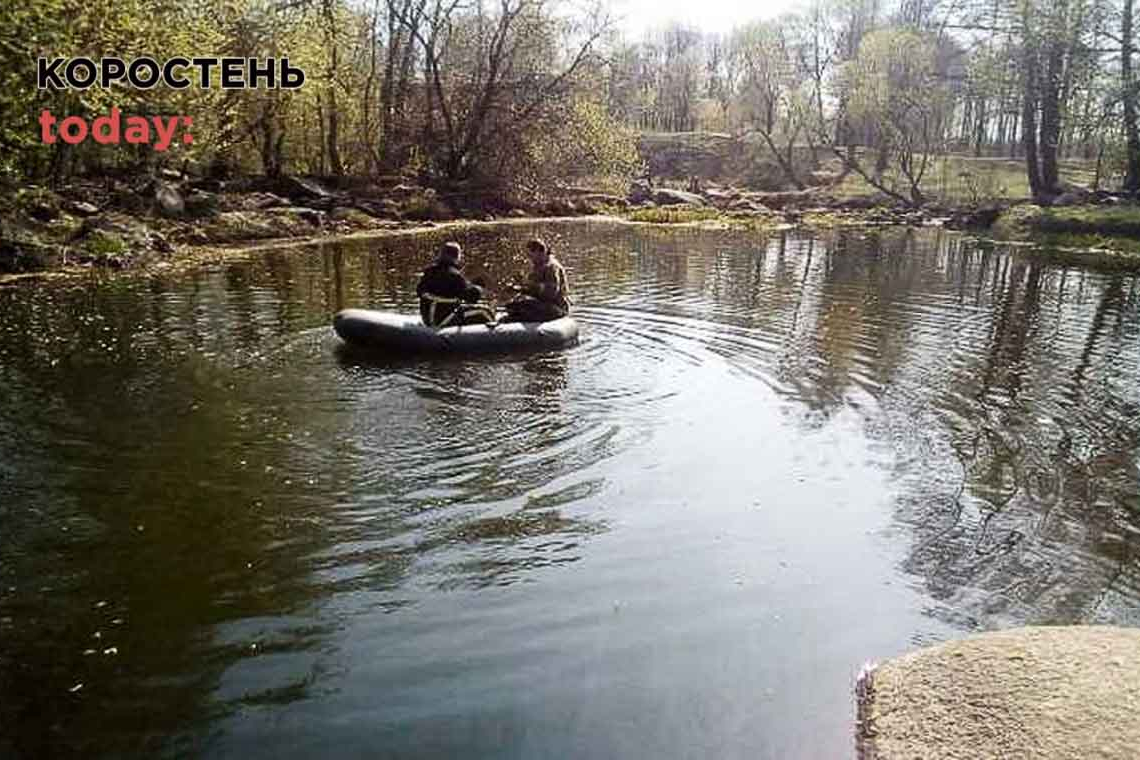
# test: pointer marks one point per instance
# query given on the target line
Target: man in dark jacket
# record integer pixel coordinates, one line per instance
(447, 298)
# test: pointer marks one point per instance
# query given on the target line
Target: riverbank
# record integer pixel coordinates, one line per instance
(168, 221)
(121, 223)
(1056, 692)
(1108, 233)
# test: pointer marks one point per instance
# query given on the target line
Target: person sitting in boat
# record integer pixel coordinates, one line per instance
(546, 295)
(447, 298)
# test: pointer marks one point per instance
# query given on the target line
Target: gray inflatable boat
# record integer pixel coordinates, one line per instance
(405, 332)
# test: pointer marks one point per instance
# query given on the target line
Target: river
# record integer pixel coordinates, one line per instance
(768, 461)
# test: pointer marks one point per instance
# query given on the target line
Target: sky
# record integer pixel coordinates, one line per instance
(636, 16)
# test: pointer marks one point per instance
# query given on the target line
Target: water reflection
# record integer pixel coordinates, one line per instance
(217, 524)
(144, 525)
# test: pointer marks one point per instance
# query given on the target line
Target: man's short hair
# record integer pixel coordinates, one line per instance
(450, 251)
(536, 244)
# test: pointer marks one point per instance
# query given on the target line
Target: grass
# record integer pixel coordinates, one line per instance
(104, 244)
(952, 179)
(1095, 221)
(1090, 220)
(1105, 234)
(674, 214)
(967, 179)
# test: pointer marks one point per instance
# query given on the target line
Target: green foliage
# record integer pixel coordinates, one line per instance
(892, 75)
(1016, 221)
(895, 86)
(102, 244)
(504, 95)
(366, 107)
(26, 31)
(25, 199)
(582, 142)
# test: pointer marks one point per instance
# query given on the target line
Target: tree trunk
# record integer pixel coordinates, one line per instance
(785, 161)
(321, 128)
(332, 137)
(980, 126)
(334, 124)
(1131, 131)
(387, 83)
(1097, 168)
(367, 129)
(1049, 144)
(1011, 136)
(1029, 120)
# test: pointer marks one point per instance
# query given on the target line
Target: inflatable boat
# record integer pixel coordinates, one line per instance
(405, 332)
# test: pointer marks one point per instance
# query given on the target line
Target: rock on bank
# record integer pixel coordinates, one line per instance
(1038, 692)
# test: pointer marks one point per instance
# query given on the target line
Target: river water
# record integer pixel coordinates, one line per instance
(769, 461)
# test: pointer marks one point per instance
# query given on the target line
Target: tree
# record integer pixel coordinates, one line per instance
(775, 101)
(1128, 98)
(500, 69)
(894, 86)
(1051, 38)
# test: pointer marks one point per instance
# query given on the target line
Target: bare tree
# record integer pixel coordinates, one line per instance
(491, 67)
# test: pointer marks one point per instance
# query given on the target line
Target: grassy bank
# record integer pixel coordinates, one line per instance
(957, 179)
(1107, 221)
(1104, 230)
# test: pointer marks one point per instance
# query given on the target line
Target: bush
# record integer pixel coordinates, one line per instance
(765, 174)
(578, 141)
(422, 208)
(101, 244)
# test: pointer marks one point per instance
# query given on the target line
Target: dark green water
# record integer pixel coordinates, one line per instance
(768, 461)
